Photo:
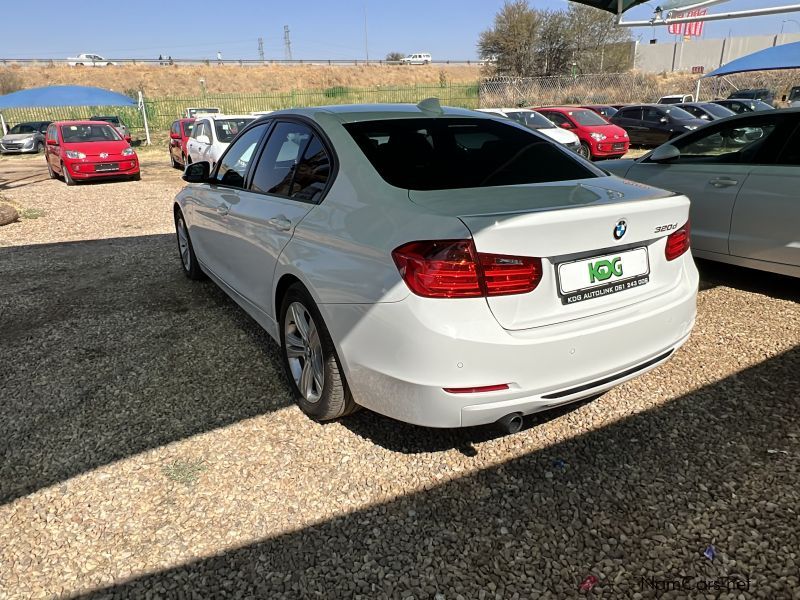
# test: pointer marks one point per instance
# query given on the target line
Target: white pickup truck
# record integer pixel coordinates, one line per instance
(89, 60)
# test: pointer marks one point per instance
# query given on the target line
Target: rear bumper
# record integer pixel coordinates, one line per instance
(399, 356)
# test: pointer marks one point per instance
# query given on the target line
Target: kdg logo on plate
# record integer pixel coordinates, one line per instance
(604, 269)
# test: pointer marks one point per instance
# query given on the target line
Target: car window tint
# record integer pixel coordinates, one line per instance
(275, 169)
(233, 166)
(311, 174)
(733, 143)
(557, 118)
(653, 115)
(630, 113)
(791, 151)
(443, 153)
(227, 129)
(187, 129)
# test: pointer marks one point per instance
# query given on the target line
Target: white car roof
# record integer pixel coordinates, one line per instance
(215, 116)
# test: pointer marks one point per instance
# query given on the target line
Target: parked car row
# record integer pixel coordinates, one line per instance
(29, 137)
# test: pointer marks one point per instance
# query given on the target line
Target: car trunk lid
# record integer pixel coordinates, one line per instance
(587, 268)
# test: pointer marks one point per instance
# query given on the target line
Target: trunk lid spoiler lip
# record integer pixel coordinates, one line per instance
(602, 195)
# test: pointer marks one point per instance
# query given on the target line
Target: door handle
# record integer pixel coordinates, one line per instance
(280, 222)
(223, 209)
(720, 182)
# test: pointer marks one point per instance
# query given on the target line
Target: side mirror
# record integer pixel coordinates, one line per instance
(197, 172)
(566, 126)
(203, 139)
(175, 136)
(128, 139)
(665, 153)
(52, 142)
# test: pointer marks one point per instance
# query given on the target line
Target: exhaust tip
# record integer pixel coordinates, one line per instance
(510, 423)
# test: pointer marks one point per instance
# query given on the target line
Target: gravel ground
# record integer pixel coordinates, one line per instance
(149, 447)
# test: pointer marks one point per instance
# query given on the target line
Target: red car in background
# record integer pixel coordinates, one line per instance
(599, 138)
(179, 134)
(81, 150)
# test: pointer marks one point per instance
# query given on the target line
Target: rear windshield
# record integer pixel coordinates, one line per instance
(744, 94)
(89, 133)
(227, 129)
(114, 120)
(587, 118)
(453, 153)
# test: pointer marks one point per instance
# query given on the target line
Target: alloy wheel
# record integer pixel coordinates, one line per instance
(183, 244)
(304, 352)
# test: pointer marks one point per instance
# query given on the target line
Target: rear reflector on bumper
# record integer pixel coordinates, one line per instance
(475, 390)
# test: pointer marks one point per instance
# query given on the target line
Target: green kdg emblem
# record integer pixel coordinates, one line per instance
(603, 269)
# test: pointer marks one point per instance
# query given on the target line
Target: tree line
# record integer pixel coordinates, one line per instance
(527, 42)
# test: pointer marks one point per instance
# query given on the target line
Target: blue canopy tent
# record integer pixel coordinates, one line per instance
(70, 95)
(785, 56)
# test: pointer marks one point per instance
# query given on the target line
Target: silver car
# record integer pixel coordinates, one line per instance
(741, 175)
(25, 137)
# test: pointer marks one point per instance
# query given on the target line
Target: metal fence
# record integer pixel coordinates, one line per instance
(162, 111)
(603, 88)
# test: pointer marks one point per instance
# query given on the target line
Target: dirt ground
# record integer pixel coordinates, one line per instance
(150, 447)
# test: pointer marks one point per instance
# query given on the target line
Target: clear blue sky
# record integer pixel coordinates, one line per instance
(448, 29)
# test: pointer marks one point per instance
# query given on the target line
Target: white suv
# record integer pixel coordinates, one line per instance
(420, 58)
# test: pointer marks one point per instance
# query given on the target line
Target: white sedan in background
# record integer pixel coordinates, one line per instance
(211, 135)
(742, 174)
(89, 60)
(436, 265)
(538, 122)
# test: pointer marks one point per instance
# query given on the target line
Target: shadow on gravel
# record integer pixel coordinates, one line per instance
(107, 350)
(713, 274)
(635, 504)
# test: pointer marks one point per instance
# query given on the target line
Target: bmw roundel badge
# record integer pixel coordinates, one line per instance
(620, 228)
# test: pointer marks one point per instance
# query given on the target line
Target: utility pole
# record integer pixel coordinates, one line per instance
(287, 44)
(261, 48)
(366, 39)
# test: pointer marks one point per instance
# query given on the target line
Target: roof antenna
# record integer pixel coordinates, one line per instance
(431, 105)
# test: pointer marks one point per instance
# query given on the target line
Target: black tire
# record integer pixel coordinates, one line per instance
(335, 399)
(585, 151)
(39, 147)
(173, 162)
(189, 265)
(67, 177)
(50, 171)
(184, 159)
(137, 177)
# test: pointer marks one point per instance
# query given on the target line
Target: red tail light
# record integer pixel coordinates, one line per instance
(454, 269)
(678, 242)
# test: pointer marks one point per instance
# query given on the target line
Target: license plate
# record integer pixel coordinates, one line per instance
(599, 276)
(618, 146)
(99, 167)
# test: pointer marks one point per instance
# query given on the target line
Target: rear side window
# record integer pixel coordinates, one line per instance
(275, 170)
(453, 153)
(629, 113)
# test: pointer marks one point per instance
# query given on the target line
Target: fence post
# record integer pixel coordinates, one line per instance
(143, 108)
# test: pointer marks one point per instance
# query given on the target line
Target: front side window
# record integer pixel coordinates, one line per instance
(233, 166)
(630, 113)
(276, 168)
(732, 143)
(187, 129)
(653, 115)
(52, 133)
(453, 153)
(556, 118)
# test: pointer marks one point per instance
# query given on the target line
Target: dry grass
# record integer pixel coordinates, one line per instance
(158, 81)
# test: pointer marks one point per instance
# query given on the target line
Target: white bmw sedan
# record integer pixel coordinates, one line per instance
(436, 265)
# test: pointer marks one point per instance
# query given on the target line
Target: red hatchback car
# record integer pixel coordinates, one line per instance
(179, 134)
(599, 138)
(81, 150)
